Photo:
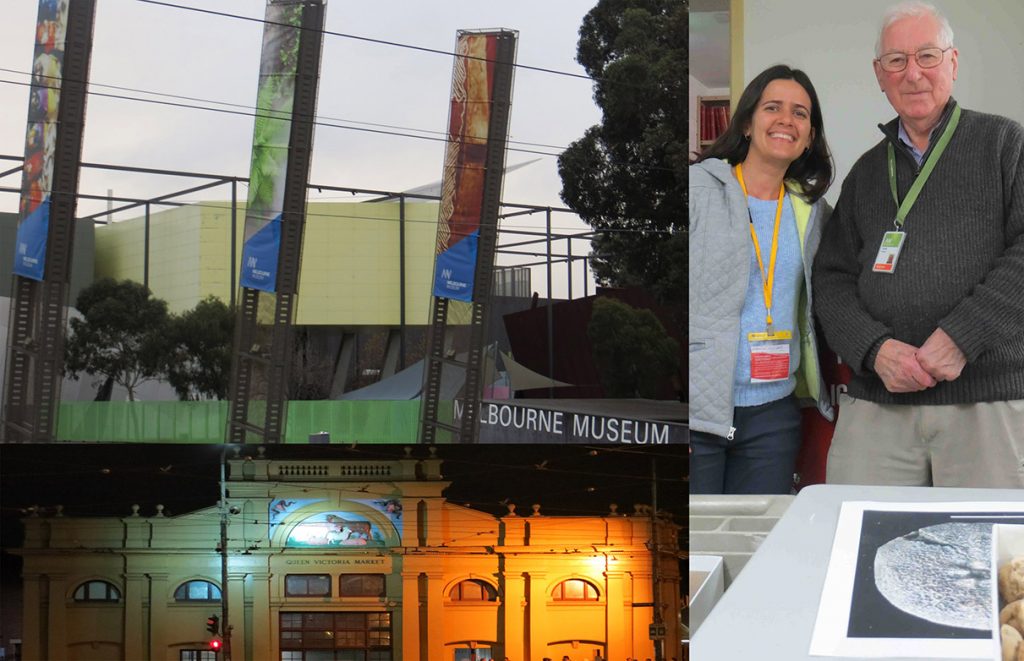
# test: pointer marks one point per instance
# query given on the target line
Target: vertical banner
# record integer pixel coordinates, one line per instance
(462, 190)
(41, 139)
(269, 167)
(44, 243)
(275, 218)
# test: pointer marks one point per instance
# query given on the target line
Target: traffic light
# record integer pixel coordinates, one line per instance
(213, 625)
(215, 644)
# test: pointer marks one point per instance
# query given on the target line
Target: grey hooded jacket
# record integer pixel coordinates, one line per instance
(719, 272)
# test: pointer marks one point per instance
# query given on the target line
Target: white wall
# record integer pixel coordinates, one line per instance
(697, 88)
(834, 43)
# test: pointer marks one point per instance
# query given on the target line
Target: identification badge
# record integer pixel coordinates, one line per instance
(769, 362)
(767, 337)
(889, 252)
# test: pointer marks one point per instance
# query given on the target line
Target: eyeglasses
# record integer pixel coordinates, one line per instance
(927, 58)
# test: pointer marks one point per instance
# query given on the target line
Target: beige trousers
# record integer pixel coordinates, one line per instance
(956, 445)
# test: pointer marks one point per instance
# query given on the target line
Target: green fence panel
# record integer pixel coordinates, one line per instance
(354, 421)
(204, 422)
(128, 422)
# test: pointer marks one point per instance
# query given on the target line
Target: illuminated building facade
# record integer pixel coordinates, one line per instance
(354, 561)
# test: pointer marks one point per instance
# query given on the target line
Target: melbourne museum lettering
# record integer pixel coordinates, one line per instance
(510, 423)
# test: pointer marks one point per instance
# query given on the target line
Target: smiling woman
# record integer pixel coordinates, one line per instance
(755, 217)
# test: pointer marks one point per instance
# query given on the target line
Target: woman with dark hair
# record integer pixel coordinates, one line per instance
(756, 214)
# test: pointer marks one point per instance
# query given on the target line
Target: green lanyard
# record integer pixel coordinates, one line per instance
(904, 209)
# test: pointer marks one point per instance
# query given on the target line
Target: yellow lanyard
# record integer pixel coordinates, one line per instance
(767, 279)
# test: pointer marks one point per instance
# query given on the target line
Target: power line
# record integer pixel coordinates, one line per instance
(397, 44)
(247, 107)
(551, 486)
(339, 487)
(295, 118)
(256, 113)
(298, 118)
(383, 42)
(587, 233)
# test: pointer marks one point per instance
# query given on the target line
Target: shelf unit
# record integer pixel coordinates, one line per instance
(709, 124)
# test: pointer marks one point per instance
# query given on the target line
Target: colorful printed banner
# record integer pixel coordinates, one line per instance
(41, 139)
(464, 166)
(270, 142)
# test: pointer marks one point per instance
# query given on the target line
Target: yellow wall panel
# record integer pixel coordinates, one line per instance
(350, 271)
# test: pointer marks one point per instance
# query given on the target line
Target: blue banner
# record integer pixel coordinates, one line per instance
(30, 251)
(259, 257)
(455, 268)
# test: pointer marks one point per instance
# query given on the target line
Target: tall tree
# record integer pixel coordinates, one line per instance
(120, 336)
(625, 175)
(198, 356)
(634, 354)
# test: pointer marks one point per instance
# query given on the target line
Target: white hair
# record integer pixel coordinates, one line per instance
(915, 8)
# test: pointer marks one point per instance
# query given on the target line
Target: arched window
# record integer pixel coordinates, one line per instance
(197, 591)
(97, 591)
(575, 589)
(474, 589)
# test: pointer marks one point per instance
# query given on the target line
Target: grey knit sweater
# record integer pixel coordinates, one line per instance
(961, 268)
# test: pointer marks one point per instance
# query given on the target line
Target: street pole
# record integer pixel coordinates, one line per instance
(225, 628)
(659, 622)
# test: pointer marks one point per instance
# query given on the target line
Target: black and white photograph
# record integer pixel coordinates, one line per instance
(911, 579)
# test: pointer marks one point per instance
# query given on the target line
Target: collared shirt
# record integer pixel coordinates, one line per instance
(905, 139)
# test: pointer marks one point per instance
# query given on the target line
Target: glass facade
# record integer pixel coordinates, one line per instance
(97, 591)
(307, 585)
(197, 655)
(336, 637)
(197, 591)
(474, 590)
(575, 589)
(361, 585)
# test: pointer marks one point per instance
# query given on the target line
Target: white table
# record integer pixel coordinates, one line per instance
(768, 612)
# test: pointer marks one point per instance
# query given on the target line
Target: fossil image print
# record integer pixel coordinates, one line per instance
(939, 573)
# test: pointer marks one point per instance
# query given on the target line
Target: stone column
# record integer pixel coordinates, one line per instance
(435, 615)
(134, 583)
(409, 642)
(537, 614)
(158, 623)
(262, 627)
(431, 521)
(31, 607)
(616, 617)
(642, 617)
(514, 614)
(56, 625)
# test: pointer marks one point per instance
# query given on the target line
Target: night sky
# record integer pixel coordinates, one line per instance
(105, 479)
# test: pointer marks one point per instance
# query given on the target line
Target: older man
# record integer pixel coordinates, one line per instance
(919, 280)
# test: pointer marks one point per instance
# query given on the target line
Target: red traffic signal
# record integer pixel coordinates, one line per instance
(215, 644)
(213, 624)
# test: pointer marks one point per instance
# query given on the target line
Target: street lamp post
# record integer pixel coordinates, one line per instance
(659, 621)
(225, 627)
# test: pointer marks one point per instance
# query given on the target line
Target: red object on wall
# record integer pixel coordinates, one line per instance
(817, 431)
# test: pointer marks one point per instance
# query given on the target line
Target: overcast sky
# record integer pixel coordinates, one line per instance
(164, 49)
